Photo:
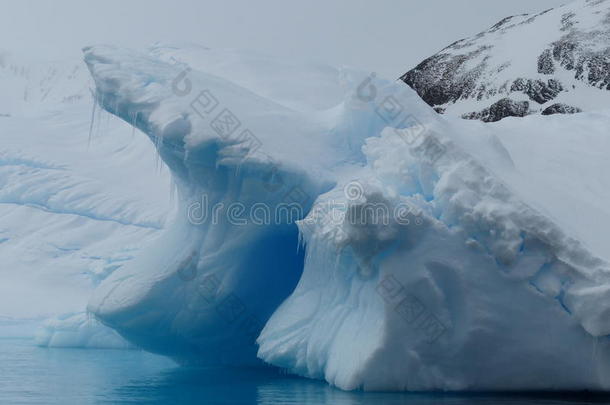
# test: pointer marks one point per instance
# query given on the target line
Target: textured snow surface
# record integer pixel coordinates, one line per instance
(482, 293)
(70, 214)
(430, 253)
(78, 197)
(181, 297)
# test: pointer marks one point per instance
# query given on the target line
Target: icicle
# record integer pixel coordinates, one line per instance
(134, 123)
(172, 191)
(99, 116)
(300, 240)
(131, 122)
(237, 168)
(158, 142)
(92, 119)
(595, 343)
(107, 121)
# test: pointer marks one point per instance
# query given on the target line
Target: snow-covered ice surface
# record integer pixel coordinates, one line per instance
(431, 253)
(485, 293)
(186, 294)
(73, 207)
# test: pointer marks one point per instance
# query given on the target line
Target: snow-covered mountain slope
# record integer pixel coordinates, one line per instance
(78, 197)
(426, 239)
(29, 85)
(556, 61)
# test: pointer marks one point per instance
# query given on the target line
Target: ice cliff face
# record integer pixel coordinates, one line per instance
(557, 61)
(470, 290)
(357, 236)
(197, 290)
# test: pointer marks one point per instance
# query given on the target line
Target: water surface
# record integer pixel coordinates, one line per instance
(34, 375)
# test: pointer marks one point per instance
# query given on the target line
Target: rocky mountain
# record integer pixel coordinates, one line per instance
(556, 61)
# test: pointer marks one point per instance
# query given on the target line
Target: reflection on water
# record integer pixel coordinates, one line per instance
(29, 374)
(233, 386)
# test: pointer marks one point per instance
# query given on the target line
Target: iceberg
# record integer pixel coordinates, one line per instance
(81, 331)
(353, 234)
(469, 290)
(73, 207)
(239, 196)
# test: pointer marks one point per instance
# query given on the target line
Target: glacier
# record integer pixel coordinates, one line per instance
(330, 223)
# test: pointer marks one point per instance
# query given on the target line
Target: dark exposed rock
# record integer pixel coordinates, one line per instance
(592, 67)
(560, 108)
(567, 21)
(545, 63)
(599, 71)
(501, 109)
(537, 90)
(564, 52)
(438, 80)
(476, 69)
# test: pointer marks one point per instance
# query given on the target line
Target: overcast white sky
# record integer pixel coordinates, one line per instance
(387, 36)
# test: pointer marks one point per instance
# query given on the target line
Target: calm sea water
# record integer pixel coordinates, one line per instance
(33, 375)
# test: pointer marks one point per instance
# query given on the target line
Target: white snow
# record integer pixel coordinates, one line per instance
(481, 294)
(438, 252)
(71, 213)
(307, 150)
(429, 252)
(512, 50)
(72, 209)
